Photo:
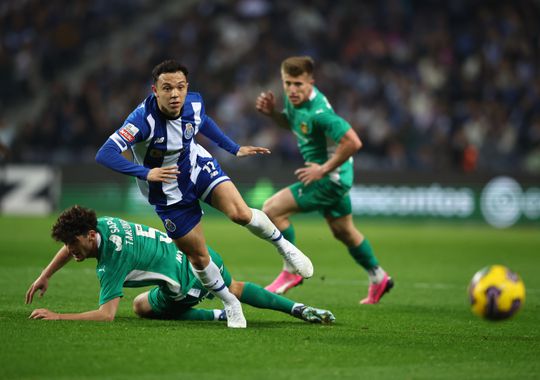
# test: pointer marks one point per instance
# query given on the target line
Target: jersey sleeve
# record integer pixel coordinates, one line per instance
(111, 280)
(331, 124)
(134, 130)
(210, 129)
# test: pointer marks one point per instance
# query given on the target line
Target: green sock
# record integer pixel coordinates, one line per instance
(363, 255)
(194, 315)
(255, 295)
(289, 234)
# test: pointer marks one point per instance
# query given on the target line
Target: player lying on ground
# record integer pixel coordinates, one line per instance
(134, 255)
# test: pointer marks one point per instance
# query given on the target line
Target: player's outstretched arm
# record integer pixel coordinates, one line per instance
(111, 156)
(105, 313)
(251, 150)
(42, 282)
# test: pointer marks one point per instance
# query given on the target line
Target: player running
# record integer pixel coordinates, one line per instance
(174, 172)
(327, 143)
(134, 255)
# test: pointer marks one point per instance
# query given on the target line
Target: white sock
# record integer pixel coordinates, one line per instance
(212, 280)
(217, 314)
(296, 304)
(376, 275)
(261, 226)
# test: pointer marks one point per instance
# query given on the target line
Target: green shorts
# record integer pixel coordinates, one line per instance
(324, 196)
(163, 303)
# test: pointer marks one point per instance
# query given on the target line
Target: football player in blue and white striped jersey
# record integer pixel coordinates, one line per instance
(174, 172)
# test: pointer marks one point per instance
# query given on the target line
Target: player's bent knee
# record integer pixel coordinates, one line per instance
(240, 216)
(267, 207)
(236, 288)
(142, 307)
(270, 209)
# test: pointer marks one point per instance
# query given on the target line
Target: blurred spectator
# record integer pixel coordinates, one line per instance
(427, 85)
(7, 133)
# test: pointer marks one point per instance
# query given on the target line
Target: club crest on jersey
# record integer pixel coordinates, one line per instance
(188, 133)
(169, 225)
(128, 132)
(304, 128)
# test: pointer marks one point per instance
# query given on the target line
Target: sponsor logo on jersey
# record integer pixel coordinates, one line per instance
(304, 128)
(169, 225)
(128, 132)
(159, 140)
(117, 241)
(188, 133)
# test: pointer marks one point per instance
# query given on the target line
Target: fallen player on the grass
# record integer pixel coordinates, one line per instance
(135, 255)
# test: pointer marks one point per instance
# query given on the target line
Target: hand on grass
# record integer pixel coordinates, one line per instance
(42, 283)
(44, 314)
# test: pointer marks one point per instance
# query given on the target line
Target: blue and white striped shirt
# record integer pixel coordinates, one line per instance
(157, 141)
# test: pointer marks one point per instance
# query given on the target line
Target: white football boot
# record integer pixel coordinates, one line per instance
(235, 315)
(296, 259)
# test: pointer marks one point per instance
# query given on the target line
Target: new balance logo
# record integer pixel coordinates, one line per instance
(159, 140)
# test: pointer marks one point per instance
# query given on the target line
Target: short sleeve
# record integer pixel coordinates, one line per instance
(134, 130)
(332, 125)
(111, 280)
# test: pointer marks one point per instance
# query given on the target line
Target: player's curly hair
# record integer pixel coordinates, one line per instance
(296, 66)
(72, 222)
(168, 66)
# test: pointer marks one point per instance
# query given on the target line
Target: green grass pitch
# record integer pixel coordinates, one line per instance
(423, 329)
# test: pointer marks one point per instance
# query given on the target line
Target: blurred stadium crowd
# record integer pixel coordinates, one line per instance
(428, 85)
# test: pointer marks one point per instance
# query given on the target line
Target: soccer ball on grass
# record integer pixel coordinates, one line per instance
(496, 293)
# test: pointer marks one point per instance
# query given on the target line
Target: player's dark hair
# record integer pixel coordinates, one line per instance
(168, 66)
(72, 222)
(296, 66)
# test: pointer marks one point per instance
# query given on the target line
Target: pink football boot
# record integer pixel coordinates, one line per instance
(284, 282)
(376, 291)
